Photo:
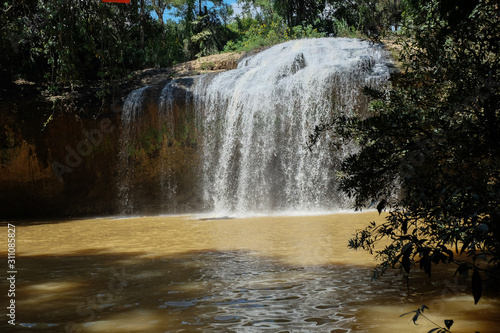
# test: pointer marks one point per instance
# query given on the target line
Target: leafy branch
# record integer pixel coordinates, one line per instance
(420, 313)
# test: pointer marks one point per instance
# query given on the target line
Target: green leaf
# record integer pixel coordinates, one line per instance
(406, 252)
(426, 263)
(450, 256)
(415, 318)
(381, 205)
(436, 256)
(463, 270)
(483, 227)
(407, 313)
(477, 286)
(423, 307)
(465, 244)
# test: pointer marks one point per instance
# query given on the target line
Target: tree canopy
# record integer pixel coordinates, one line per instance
(429, 150)
(63, 43)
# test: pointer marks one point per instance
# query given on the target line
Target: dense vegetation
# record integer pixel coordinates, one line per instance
(63, 43)
(430, 150)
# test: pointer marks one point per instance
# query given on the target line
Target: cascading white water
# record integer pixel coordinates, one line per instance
(256, 121)
(253, 124)
(131, 110)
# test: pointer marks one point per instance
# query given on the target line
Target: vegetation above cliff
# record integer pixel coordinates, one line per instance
(62, 44)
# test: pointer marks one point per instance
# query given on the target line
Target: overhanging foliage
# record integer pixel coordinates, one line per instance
(430, 151)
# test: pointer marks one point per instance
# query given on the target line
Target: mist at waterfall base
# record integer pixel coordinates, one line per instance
(253, 124)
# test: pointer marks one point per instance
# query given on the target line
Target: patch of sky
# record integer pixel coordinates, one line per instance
(171, 15)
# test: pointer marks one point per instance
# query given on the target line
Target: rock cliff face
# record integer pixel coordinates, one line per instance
(63, 157)
(157, 157)
(29, 185)
(70, 165)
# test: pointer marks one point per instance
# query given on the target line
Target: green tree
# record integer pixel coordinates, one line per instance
(205, 29)
(261, 10)
(299, 12)
(161, 6)
(293, 12)
(67, 42)
(369, 16)
(429, 150)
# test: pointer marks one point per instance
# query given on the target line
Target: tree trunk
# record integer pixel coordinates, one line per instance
(142, 25)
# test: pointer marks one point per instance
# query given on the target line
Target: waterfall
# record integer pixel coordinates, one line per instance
(132, 108)
(257, 120)
(253, 124)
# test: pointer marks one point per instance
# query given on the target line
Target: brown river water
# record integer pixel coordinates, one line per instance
(187, 274)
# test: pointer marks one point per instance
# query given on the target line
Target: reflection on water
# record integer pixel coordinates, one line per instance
(181, 274)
